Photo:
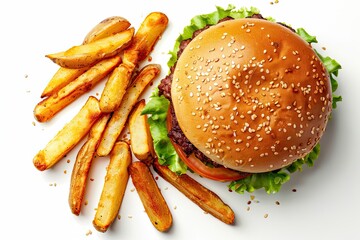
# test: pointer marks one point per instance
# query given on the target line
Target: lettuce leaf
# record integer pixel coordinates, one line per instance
(306, 36)
(272, 181)
(333, 67)
(157, 107)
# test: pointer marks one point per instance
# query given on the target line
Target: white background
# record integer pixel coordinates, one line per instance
(325, 206)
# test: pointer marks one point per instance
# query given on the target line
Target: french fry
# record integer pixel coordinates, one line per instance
(68, 136)
(61, 78)
(107, 27)
(88, 54)
(114, 187)
(203, 197)
(117, 121)
(142, 44)
(82, 164)
(50, 106)
(150, 195)
(146, 37)
(141, 140)
(115, 88)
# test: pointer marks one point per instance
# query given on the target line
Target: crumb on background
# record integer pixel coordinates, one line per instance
(89, 232)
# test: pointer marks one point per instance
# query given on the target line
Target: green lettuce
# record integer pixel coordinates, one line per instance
(157, 109)
(333, 67)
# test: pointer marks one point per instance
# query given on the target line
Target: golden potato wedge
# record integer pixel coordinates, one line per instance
(142, 44)
(47, 108)
(60, 79)
(114, 187)
(150, 195)
(82, 164)
(107, 27)
(117, 121)
(69, 135)
(141, 140)
(115, 88)
(203, 197)
(88, 54)
(146, 36)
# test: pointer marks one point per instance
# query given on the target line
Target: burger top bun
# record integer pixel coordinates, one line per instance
(251, 95)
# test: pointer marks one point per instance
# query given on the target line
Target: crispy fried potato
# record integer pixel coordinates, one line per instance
(114, 187)
(203, 197)
(141, 140)
(115, 88)
(142, 44)
(69, 135)
(151, 197)
(82, 164)
(88, 54)
(120, 115)
(48, 107)
(146, 36)
(60, 79)
(107, 27)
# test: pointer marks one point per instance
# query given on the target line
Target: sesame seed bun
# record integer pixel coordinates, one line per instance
(251, 95)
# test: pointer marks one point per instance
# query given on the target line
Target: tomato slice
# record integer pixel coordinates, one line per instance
(215, 173)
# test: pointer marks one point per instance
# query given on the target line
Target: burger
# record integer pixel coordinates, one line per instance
(246, 100)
